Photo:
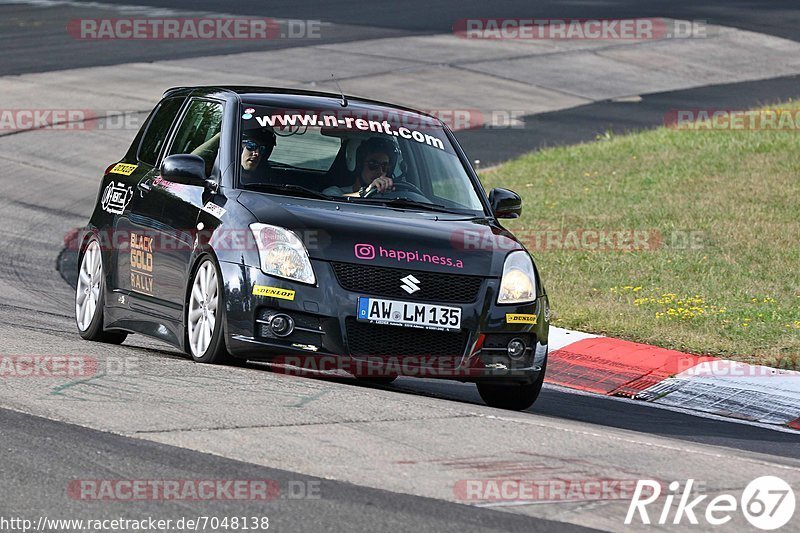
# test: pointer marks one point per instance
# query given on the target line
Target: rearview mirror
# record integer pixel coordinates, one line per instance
(188, 169)
(505, 203)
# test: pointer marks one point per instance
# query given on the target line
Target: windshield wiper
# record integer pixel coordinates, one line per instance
(413, 204)
(285, 187)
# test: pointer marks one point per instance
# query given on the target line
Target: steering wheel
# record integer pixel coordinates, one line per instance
(399, 185)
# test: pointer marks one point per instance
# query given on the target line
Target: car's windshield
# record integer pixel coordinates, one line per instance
(344, 154)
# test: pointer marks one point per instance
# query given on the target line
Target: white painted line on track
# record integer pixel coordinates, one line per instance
(557, 338)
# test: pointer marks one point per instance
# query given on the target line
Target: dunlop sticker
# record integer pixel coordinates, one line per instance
(520, 319)
(273, 292)
(124, 169)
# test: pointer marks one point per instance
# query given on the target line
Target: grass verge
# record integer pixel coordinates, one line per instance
(686, 239)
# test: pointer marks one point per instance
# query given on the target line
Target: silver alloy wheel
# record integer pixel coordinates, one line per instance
(87, 293)
(202, 316)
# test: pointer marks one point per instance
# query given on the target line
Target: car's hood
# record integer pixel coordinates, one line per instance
(380, 236)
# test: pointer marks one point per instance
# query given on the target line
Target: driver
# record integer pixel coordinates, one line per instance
(375, 159)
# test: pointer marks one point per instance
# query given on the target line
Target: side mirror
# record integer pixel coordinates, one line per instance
(505, 203)
(188, 169)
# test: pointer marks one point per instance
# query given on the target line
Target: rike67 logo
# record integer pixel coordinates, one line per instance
(767, 503)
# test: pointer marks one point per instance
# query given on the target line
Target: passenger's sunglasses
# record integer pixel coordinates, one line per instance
(372, 164)
(253, 146)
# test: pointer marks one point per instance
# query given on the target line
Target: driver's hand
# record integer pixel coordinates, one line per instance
(384, 183)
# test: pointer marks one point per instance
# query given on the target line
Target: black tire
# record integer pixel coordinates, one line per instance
(216, 352)
(94, 331)
(512, 396)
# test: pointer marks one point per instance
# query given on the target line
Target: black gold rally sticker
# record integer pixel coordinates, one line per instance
(273, 292)
(520, 319)
(123, 168)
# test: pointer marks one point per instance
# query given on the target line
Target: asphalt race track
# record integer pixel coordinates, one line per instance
(30, 489)
(359, 457)
(43, 46)
(355, 21)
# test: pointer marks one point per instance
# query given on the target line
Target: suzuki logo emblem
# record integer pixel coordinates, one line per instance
(409, 284)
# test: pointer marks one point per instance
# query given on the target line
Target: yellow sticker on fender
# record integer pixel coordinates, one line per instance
(273, 292)
(124, 169)
(520, 319)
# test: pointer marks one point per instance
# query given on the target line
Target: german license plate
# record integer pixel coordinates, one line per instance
(408, 314)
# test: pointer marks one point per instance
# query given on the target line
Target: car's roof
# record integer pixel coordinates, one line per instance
(287, 96)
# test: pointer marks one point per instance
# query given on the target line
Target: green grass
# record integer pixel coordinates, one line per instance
(734, 293)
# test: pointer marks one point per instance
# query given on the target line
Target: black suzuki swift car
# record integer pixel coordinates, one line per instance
(313, 230)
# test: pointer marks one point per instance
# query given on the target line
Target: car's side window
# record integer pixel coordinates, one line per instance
(199, 132)
(157, 130)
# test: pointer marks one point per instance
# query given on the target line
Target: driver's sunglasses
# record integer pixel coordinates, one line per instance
(373, 164)
(254, 146)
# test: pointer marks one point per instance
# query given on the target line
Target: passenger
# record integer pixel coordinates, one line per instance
(375, 159)
(256, 149)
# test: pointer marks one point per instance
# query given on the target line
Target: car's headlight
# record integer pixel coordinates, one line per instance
(518, 285)
(282, 253)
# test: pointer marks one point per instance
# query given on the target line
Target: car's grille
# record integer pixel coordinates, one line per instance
(388, 282)
(376, 339)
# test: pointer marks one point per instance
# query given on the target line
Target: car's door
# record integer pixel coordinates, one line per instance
(171, 209)
(134, 287)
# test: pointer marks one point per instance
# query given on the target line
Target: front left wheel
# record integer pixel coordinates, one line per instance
(204, 332)
(512, 396)
(90, 297)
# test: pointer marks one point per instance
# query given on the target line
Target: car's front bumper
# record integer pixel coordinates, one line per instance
(327, 336)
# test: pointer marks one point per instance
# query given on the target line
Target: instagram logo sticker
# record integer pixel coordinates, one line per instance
(365, 251)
